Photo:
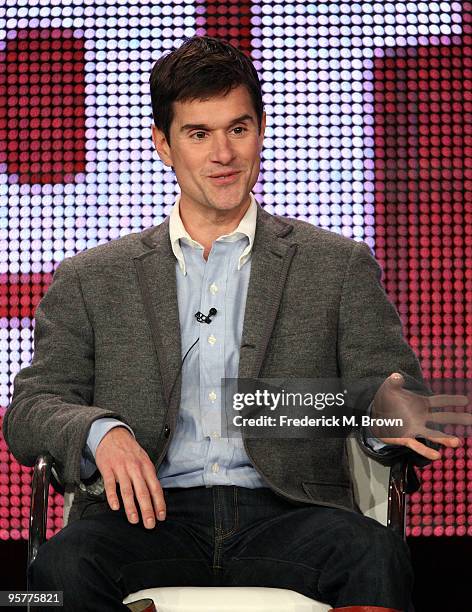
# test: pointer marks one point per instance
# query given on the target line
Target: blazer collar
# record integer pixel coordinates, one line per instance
(268, 229)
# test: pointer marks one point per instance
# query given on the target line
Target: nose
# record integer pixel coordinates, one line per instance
(222, 150)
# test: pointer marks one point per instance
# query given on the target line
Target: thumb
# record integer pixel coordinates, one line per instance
(392, 382)
(395, 380)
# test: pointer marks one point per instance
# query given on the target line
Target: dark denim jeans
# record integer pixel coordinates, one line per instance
(227, 536)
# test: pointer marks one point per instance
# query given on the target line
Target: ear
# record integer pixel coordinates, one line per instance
(262, 130)
(161, 146)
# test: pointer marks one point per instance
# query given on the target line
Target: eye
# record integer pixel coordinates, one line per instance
(239, 127)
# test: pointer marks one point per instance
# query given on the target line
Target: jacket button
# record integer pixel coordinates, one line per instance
(167, 431)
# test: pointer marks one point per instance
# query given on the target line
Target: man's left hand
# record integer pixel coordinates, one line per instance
(414, 411)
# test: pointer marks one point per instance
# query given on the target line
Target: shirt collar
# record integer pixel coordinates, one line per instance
(246, 227)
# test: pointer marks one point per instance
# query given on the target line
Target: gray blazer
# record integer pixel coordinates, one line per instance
(107, 344)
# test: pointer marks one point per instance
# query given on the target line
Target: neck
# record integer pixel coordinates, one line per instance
(206, 225)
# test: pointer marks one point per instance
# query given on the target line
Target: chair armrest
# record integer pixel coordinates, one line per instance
(39, 504)
(44, 474)
(403, 479)
(381, 482)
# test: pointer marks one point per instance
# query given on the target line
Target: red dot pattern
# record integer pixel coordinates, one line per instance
(42, 106)
(423, 220)
(21, 293)
(229, 20)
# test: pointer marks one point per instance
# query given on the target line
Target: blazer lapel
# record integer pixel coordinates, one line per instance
(271, 257)
(156, 277)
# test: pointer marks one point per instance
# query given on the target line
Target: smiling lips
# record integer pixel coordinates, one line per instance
(223, 179)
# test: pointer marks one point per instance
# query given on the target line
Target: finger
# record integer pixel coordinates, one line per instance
(453, 418)
(441, 401)
(392, 440)
(127, 495)
(155, 490)
(144, 501)
(109, 483)
(422, 449)
(414, 445)
(440, 437)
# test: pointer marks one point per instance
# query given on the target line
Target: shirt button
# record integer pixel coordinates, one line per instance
(215, 435)
(215, 468)
(213, 288)
(211, 339)
(212, 396)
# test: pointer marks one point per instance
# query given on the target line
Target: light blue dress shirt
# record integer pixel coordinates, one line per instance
(197, 454)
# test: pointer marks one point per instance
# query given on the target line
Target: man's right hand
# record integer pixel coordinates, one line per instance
(121, 459)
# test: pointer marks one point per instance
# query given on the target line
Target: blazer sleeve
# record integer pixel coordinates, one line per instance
(371, 345)
(51, 408)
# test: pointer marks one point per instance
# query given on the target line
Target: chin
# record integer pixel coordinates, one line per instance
(225, 203)
(228, 205)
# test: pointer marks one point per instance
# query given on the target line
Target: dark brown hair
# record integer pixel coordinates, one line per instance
(200, 68)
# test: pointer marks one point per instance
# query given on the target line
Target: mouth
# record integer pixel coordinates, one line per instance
(224, 179)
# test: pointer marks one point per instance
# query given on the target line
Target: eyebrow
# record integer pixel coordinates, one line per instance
(203, 126)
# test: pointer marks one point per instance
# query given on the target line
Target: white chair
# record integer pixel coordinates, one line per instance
(379, 491)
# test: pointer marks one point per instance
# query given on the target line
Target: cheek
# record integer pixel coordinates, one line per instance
(191, 164)
(254, 153)
(186, 167)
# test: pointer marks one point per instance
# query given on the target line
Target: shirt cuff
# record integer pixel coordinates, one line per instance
(98, 429)
(370, 440)
(87, 468)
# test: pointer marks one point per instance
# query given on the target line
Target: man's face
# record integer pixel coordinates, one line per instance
(208, 141)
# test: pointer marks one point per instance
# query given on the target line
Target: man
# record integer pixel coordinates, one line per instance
(125, 380)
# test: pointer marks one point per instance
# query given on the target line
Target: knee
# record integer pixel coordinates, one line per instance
(365, 537)
(388, 541)
(55, 562)
(385, 548)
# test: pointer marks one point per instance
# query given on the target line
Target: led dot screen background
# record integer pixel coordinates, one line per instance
(368, 135)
